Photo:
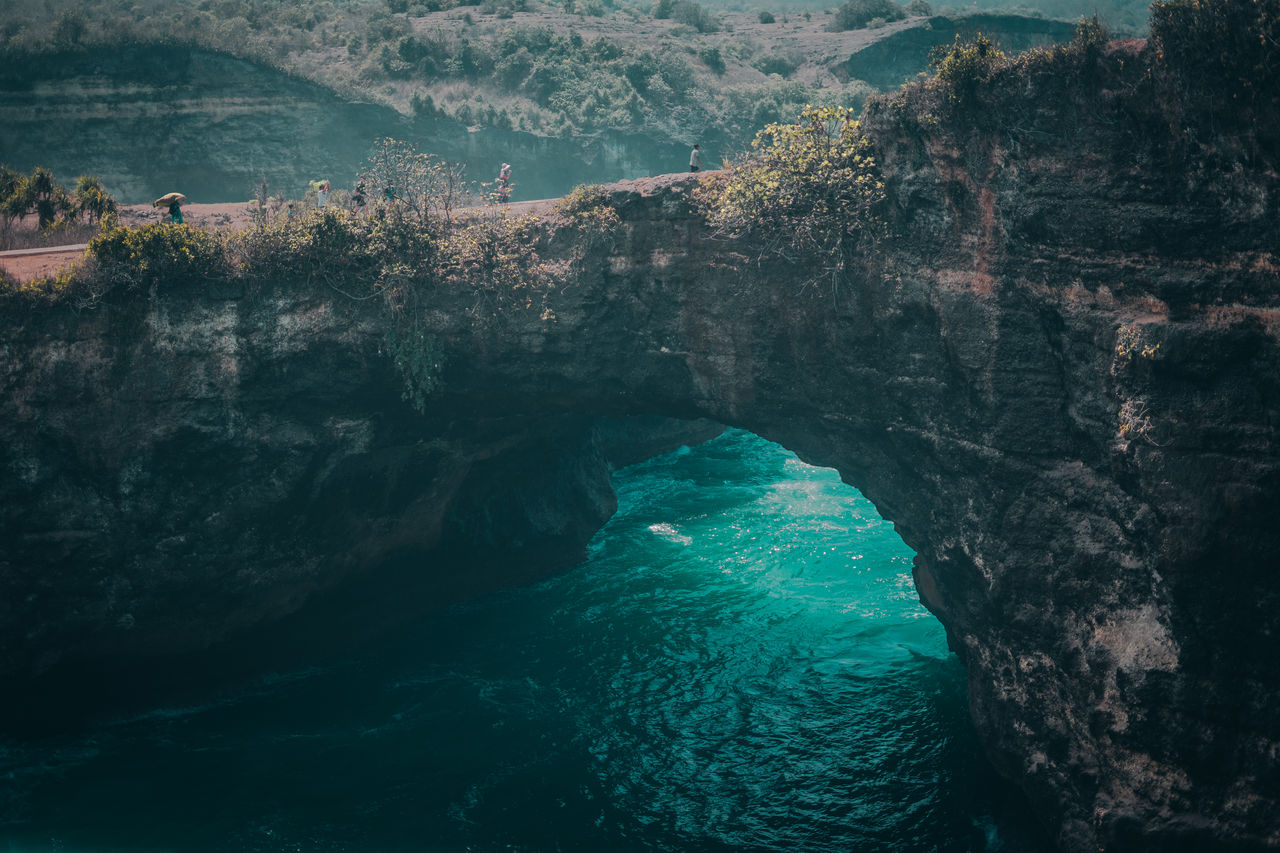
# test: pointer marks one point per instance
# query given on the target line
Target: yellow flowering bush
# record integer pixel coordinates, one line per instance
(808, 191)
(158, 253)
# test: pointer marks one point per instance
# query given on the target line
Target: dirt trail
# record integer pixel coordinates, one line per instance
(31, 264)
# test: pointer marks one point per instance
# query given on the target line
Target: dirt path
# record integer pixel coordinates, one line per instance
(31, 264)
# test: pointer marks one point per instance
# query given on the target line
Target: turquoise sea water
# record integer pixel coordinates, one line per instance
(740, 665)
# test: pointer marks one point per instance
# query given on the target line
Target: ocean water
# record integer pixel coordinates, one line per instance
(741, 664)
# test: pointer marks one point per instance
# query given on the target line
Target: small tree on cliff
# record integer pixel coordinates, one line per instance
(964, 66)
(808, 192)
(92, 201)
(419, 185)
(40, 193)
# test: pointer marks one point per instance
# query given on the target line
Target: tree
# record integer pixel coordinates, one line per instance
(38, 193)
(856, 14)
(69, 28)
(809, 191)
(712, 58)
(420, 185)
(10, 180)
(92, 200)
(964, 66)
(685, 12)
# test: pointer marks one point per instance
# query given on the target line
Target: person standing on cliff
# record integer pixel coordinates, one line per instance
(175, 213)
(695, 158)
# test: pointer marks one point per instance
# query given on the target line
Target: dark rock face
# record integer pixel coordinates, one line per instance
(184, 475)
(1059, 383)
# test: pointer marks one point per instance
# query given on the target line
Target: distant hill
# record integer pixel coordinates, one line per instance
(573, 67)
(150, 118)
(898, 57)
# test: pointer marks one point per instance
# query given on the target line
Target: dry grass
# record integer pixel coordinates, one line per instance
(25, 235)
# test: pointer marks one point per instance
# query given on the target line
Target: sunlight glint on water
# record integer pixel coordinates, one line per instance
(741, 664)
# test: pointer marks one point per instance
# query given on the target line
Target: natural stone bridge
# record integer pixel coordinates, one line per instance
(1072, 422)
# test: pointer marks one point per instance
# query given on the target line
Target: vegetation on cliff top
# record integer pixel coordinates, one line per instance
(58, 211)
(1191, 107)
(1199, 95)
(409, 251)
(809, 191)
(1196, 105)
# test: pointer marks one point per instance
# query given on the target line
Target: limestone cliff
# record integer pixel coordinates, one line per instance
(184, 476)
(1058, 378)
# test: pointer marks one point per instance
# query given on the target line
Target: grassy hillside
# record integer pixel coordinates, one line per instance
(671, 69)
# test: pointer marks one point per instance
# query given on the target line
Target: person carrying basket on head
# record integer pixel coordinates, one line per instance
(504, 183)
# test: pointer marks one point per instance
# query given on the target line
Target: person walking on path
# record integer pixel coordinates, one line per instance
(695, 158)
(504, 183)
(172, 203)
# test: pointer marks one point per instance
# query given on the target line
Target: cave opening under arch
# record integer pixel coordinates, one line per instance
(740, 663)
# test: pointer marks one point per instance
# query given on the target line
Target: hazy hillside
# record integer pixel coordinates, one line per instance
(151, 120)
(216, 95)
(673, 68)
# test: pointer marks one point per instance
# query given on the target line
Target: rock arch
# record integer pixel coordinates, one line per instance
(1092, 523)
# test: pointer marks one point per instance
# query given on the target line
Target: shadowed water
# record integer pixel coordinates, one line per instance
(741, 664)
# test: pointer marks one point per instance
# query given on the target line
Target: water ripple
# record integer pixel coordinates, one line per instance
(740, 665)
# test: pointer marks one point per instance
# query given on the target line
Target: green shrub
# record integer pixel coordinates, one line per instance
(685, 12)
(48, 291)
(767, 18)
(589, 208)
(775, 64)
(69, 28)
(712, 58)
(856, 14)
(965, 65)
(328, 244)
(160, 253)
(808, 189)
(418, 357)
